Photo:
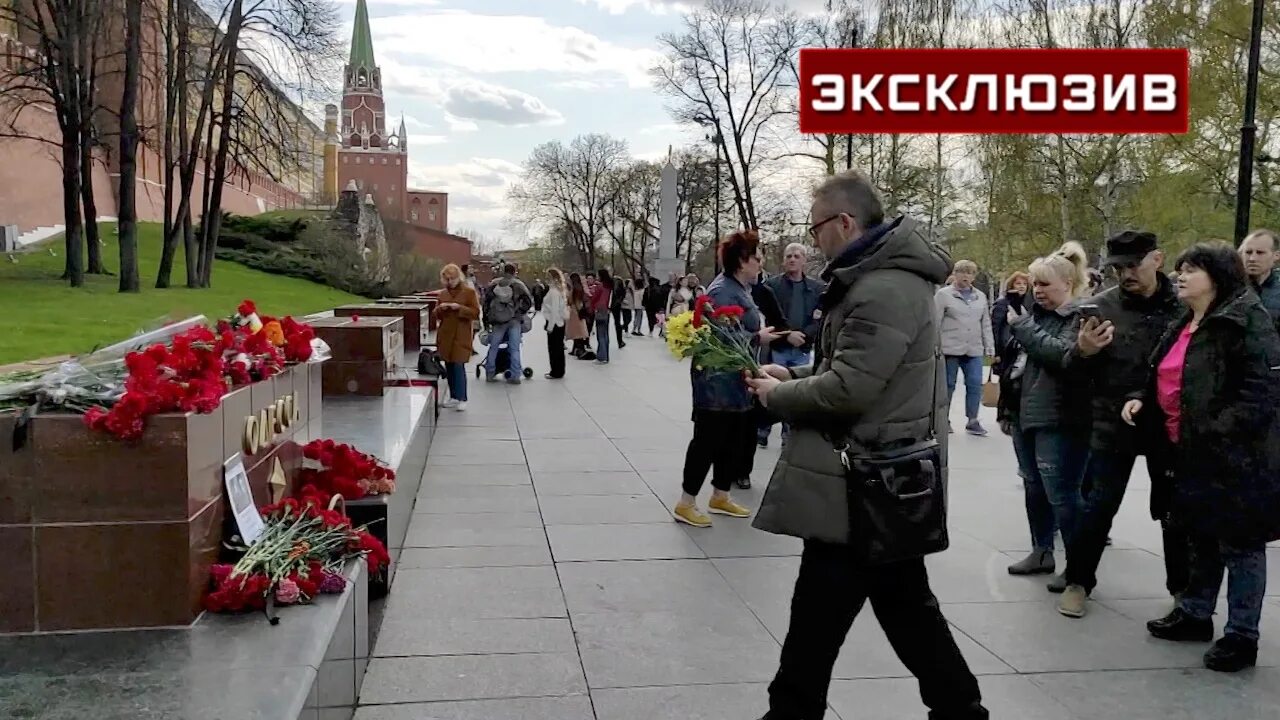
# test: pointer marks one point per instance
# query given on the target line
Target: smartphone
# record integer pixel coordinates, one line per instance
(1090, 311)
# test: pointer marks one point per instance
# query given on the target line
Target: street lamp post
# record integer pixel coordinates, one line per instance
(1249, 130)
(716, 140)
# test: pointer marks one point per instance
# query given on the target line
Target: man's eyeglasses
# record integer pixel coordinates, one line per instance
(813, 229)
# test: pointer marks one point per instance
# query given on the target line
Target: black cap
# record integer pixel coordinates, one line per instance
(1129, 247)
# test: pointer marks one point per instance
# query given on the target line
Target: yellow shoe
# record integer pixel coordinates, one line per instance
(689, 514)
(727, 506)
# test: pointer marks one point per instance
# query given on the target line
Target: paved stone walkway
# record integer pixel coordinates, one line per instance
(545, 580)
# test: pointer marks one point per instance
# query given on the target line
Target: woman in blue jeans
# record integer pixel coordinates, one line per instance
(964, 320)
(601, 296)
(1051, 430)
(1213, 392)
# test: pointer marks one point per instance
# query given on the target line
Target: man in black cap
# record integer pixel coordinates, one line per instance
(1115, 345)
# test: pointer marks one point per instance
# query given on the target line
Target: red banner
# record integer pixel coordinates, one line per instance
(845, 91)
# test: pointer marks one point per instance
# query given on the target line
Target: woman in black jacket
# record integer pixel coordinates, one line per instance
(1214, 391)
(1017, 295)
(1051, 426)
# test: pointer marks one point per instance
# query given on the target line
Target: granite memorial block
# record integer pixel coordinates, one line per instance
(416, 315)
(365, 351)
(110, 534)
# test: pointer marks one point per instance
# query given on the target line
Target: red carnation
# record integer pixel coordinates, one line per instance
(247, 308)
(733, 312)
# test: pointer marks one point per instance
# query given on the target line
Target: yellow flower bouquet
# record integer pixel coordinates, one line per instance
(712, 337)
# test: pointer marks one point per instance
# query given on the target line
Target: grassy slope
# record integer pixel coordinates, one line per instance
(43, 317)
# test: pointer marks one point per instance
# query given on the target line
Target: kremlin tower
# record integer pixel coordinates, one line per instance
(358, 147)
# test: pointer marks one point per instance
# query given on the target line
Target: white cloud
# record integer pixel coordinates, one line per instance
(420, 140)
(483, 44)
(498, 105)
(459, 125)
(477, 190)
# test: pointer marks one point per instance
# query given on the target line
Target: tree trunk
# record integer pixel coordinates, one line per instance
(71, 210)
(1063, 194)
(93, 243)
(169, 242)
(129, 149)
(212, 223)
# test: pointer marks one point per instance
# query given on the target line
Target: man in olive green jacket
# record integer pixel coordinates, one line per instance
(875, 382)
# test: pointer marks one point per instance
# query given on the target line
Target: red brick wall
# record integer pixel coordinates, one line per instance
(432, 209)
(439, 246)
(389, 171)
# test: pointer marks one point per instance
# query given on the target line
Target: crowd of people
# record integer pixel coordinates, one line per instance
(1093, 371)
(1179, 368)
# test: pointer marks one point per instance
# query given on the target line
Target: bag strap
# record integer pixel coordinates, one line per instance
(933, 398)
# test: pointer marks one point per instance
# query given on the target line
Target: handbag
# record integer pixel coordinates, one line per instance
(991, 390)
(430, 363)
(897, 497)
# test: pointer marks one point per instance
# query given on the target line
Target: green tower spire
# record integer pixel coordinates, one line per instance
(361, 39)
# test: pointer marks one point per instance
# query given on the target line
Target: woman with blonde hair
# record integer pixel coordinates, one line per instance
(456, 312)
(1050, 427)
(555, 310)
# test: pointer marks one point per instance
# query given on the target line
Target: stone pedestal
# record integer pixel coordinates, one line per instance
(103, 534)
(416, 316)
(364, 352)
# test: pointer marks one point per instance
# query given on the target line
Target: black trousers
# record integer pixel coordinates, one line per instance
(830, 591)
(555, 350)
(1107, 476)
(723, 442)
(620, 319)
(653, 319)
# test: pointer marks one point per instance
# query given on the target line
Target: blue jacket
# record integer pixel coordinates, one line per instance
(727, 391)
(780, 285)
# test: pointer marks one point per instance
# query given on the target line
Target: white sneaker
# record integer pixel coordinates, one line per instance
(461, 406)
(449, 403)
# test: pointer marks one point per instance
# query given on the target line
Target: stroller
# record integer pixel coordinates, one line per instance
(502, 361)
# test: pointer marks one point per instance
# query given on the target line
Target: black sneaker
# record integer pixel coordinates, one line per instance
(1181, 627)
(762, 441)
(744, 483)
(975, 428)
(1232, 653)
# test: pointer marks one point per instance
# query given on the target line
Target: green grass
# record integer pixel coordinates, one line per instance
(44, 317)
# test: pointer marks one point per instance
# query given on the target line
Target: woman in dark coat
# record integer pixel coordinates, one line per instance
(1214, 392)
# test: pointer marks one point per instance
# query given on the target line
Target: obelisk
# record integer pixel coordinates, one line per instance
(668, 260)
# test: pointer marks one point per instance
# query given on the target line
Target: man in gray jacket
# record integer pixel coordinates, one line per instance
(875, 383)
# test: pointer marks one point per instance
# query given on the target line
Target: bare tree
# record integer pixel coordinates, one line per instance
(261, 44)
(128, 209)
(572, 185)
(842, 25)
(57, 67)
(481, 244)
(727, 71)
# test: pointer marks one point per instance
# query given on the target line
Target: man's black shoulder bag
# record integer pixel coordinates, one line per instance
(897, 497)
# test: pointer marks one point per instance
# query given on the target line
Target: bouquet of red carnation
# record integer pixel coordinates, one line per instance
(713, 337)
(185, 376)
(338, 469)
(298, 556)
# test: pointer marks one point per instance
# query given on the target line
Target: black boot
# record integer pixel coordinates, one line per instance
(1180, 626)
(1232, 653)
(1039, 562)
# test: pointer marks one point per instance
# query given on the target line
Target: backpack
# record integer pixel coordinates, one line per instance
(505, 303)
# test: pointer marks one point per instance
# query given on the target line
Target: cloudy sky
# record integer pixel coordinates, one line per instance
(482, 82)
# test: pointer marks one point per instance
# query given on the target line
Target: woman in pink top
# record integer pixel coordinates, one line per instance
(1214, 392)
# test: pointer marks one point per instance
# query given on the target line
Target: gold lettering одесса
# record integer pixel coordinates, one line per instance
(261, 429)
